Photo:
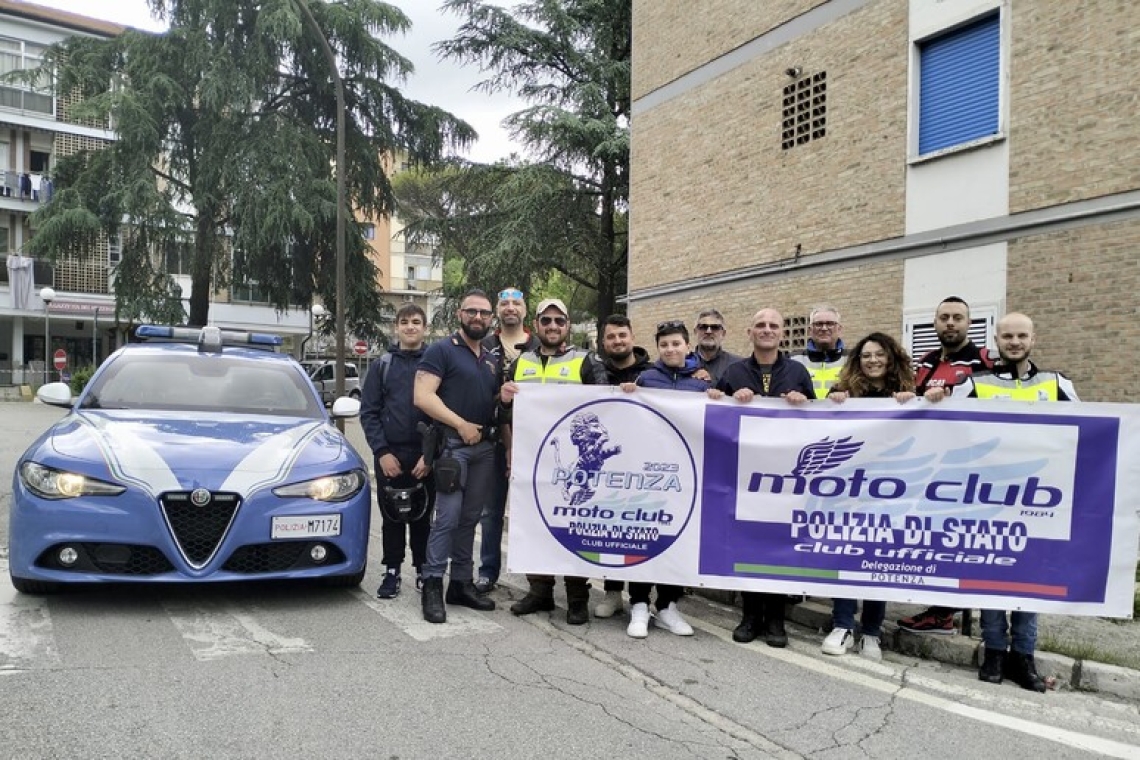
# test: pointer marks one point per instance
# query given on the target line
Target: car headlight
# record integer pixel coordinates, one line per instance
(50, 483)
(327, 488)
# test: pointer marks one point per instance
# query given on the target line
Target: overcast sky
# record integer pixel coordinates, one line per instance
(443, 84)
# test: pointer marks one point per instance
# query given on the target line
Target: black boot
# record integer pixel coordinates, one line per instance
(463, 593)
(577, 612)
(434, 611)
(532, 603)
(774, 633)
(993, 665)
(747, 630)
(1022, 670)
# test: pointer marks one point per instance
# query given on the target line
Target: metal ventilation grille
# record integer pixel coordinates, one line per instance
(805, 110)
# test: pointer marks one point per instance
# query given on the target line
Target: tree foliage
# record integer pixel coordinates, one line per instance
(226, 131)
(516, 222)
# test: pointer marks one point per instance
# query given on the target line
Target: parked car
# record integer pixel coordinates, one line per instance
(199, 458)
(324, 379)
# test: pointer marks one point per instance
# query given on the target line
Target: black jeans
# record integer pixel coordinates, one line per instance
(666, 594)
(394, 534)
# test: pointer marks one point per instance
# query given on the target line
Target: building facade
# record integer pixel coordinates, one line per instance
(880, 155)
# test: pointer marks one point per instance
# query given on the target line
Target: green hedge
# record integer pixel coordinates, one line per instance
(79, 378)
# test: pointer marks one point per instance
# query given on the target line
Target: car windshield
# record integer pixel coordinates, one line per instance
(195, 382)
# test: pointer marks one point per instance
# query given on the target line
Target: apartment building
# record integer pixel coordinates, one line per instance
(880, 155)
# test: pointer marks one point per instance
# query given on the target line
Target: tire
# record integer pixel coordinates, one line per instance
(29, 586)
(345, 581)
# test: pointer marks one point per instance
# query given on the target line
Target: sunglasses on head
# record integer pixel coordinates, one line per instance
(672, 324)
(549, 320)
(511, 294)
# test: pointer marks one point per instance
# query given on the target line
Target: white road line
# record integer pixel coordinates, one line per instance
(1095, 744)
(214, 630)
(405, 613)
(26, 637)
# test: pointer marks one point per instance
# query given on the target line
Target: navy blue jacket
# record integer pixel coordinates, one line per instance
(674, 378)
(787, 376)
(387, 413)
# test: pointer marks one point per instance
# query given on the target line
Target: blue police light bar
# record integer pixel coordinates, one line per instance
(204, 337)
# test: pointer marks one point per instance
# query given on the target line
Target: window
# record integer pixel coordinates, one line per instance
(959, 86)
(40, 162)
(17, 55)
(114, 251)
(805, 110)
(369, 231)
(177, 258)
(4, 242)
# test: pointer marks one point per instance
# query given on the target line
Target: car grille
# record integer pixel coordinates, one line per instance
(111, 559)
(199, 524)
(279, 556)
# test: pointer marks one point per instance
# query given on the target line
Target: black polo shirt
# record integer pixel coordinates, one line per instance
(468, 383)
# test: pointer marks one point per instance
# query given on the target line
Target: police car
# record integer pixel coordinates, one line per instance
(198, 455)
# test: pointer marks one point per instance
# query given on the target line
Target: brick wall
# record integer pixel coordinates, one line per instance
(1080, 287)
(869, 297)
(673, 37)
(712, 190)
(1073, 128)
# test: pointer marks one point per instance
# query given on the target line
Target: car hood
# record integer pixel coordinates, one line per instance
(167, 452)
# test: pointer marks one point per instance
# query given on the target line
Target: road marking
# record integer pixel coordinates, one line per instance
(898, 688)
(214, 629)
(26, 636)
(405, 613)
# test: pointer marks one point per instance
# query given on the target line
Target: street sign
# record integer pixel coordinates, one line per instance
(360, 348)
(59, 358)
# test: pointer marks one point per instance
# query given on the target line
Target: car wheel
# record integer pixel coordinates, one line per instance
(29, 586)
(346, 581)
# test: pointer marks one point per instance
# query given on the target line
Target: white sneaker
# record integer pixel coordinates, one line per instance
(671, 620)
(609, 606)
(869, 648)
(638, 621)
(838, 641)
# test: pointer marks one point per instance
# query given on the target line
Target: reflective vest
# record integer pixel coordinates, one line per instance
(824, 375)
(563, 369)
(1041, 387)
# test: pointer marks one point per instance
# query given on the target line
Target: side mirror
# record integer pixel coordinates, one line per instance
(345, 407)
(55, 394)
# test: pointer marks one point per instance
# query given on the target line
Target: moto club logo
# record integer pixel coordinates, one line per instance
(615, 498)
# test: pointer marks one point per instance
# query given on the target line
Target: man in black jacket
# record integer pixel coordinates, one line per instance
(767, 372)
(389, 420)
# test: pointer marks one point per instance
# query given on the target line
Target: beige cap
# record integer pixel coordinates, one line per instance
(549, 302)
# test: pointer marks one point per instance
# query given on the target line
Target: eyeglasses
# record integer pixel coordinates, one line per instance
(546, 321)
(876, 355)
(709, 328)
(472, 313)
(672, 324)
(825, 325)
(511, 294)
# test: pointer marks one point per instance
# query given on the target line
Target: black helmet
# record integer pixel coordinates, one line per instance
(404, 504)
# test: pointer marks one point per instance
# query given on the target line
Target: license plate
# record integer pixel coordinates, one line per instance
(306, 526)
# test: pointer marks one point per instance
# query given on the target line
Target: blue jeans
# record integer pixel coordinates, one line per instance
(456, 514)
(491, 523)
(843, 615)
(995, 628)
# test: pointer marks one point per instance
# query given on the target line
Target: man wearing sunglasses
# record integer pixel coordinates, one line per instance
(508, 341)
(555, 361)
(457, 384)
(709, 334)
(825, 353)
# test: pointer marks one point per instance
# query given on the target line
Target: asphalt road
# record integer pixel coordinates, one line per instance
(287, 671)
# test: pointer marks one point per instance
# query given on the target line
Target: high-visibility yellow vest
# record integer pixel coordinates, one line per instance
(824, 375)
(563, 369)
(1041, 387)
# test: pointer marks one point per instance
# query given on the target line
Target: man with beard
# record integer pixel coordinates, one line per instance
(767, 372)
(709, 333)
(1014, 377)
(939, 372)
(508, 342)
(825, 354)
(457, 383)
(553, 362)
(624, 362)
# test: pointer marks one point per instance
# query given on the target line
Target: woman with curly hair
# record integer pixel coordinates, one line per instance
(877, 367)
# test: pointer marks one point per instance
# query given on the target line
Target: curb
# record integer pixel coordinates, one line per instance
(962, 651)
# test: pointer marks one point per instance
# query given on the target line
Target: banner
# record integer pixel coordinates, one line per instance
(965, 503)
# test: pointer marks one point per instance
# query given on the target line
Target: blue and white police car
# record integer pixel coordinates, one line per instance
(199, 455)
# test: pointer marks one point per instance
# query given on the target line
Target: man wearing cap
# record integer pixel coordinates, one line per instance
(553, 362)
(508, 341)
